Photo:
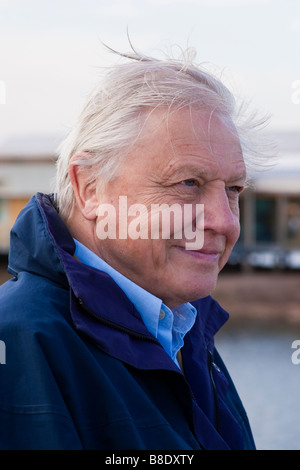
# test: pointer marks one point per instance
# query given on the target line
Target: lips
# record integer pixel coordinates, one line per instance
(207, 252)
(209, 255)
(204, 251)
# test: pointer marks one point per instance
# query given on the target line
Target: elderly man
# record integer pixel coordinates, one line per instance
(109, 331)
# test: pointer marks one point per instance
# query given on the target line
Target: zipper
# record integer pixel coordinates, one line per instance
(210, 364)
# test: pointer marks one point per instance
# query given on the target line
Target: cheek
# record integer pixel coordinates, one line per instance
(142, 256)
(231, 240)
(235, 232)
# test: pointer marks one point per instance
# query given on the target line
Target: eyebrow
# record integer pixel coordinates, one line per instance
(193, 171)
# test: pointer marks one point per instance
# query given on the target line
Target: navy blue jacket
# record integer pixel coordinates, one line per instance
(83, 372)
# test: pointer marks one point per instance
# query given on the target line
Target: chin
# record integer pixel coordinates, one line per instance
(194, 291)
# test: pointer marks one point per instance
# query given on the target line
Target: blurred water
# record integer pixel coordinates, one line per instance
(268, 382)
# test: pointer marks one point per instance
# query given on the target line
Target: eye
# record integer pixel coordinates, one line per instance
(235, 189)
(190, 182)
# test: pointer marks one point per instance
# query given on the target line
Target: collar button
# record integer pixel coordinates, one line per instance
(161, 314)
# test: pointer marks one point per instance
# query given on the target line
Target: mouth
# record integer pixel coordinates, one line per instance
(205, 254)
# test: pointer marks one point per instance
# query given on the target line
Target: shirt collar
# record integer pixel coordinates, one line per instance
(147, 304)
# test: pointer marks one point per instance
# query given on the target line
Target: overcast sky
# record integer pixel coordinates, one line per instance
(50, 52)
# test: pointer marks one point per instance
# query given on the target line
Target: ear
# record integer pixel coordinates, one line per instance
(84, 190)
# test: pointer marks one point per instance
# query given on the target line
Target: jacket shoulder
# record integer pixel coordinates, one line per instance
(38, 340)
(34, 317)
(28, 298)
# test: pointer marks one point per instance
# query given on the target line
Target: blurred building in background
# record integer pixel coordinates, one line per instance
(270, 211)
(26, 167)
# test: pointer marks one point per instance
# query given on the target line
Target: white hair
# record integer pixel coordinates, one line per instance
(113, 116)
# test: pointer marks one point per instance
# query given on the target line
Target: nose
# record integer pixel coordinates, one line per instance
(220, 214)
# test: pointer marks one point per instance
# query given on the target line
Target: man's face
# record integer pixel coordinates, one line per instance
(186, 157)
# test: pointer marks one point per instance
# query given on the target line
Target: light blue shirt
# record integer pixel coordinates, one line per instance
(167, 326)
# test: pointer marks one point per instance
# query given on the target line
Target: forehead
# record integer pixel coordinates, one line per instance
(191, 137)
(210, 131)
